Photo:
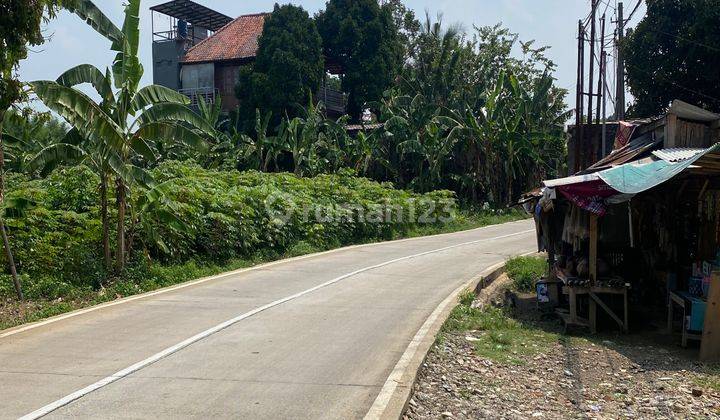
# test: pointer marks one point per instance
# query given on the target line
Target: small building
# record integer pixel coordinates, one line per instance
(634, 238)
(199, 52)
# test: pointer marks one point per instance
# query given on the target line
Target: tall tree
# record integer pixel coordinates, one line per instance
(20, 22)
(363, 38)
(407, 24)
(674, 53)
(288, 67)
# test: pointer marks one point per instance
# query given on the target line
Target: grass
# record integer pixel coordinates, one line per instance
(144, 279)
(499, 337)
(525, 271)
(469, 219)
(709, 377)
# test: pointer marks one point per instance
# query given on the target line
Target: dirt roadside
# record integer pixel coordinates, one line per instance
(491, 363)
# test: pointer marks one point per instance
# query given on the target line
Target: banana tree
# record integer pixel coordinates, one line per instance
(256, 153)
(123, 128)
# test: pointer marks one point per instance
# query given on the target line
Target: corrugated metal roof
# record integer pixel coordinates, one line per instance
(636, 177)
(577, 179)
(363, 127)
(194, 13)
(677, 154)
(634, 150)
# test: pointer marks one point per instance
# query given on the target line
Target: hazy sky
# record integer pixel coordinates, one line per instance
(549, 22)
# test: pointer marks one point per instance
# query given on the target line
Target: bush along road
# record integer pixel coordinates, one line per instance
(207, 222)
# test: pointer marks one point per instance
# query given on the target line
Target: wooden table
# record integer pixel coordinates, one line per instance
(593, 293)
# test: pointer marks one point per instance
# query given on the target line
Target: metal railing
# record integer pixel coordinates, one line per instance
(208, 94)
(334, 100)
(172, 35)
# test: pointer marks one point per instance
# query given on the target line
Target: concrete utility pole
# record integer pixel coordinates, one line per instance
(620, 94)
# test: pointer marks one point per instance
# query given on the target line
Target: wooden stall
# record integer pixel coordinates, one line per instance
(635, 242)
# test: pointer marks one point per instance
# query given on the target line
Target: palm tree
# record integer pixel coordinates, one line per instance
(120, 131)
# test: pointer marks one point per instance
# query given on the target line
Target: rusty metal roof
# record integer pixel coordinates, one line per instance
(634, 150)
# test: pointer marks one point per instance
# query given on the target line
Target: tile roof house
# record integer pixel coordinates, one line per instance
(214, 63)
(236, 41)
(202, 52)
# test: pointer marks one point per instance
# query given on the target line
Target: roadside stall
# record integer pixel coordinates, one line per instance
(636, 239)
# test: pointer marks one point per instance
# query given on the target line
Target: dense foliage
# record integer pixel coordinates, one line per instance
(19, 28)
(465, 114)
(363, 39)
(470, 116)
(288, 67)
(220, 215)
(674, 53)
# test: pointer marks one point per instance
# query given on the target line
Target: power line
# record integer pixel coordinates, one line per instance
(637, 6)
(710, 47)
(676, 84)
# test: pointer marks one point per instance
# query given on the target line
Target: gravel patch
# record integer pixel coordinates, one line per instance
(570, 377)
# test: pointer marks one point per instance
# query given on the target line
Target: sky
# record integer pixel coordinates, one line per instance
(549, 22)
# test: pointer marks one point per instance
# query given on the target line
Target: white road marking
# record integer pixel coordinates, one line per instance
(49, 408)
(52, 320)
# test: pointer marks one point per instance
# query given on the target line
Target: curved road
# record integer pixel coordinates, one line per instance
(313, 337)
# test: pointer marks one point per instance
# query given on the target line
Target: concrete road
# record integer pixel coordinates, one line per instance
(309, 338)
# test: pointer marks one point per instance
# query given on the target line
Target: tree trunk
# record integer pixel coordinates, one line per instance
(510, 190)
(121, 203)
(105, 221)
(11, 261)
(296, 163)
(6, 241)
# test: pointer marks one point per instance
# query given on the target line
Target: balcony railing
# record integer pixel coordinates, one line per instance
(173, 35)
(208, 94)
(335, 101)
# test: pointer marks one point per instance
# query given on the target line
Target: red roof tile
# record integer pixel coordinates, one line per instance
(235, 41)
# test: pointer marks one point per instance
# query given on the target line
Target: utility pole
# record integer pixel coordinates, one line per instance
(601, 78)
(603, 63)
(579, 102)
(620, 94)
(592, 61)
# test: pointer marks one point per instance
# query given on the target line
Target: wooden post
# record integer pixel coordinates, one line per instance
(579, 101)
(670, 130)
(601, 78)
(572, 297)
(592, 258)
(626, 310)
(592, 60)
(620, 77)
(710, 345)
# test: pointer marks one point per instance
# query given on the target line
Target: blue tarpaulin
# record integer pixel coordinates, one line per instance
(633, 178)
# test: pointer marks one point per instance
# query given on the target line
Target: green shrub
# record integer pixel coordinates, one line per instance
(228, 215)
(525, 271)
